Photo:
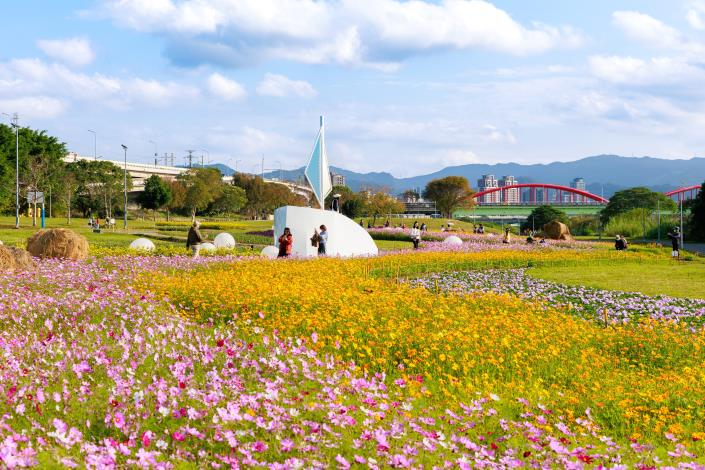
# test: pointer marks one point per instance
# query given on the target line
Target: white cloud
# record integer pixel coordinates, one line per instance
(72, 51)
(645, 28)
(279, 85)
(56, 83)
(375, 33)
(34, 107)
(225, 88)
(694, 15)
(634, 71)
(493, 134)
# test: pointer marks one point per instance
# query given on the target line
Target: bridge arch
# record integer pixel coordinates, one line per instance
(558, 189)
(684, 193)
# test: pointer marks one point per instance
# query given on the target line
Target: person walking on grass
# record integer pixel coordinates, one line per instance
(322, 240)
(286, 242)
(675, 242)
(194, 238)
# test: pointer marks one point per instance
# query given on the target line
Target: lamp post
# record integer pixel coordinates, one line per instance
(95, 144)
(124, 147)
(16, 126)
(156, 152)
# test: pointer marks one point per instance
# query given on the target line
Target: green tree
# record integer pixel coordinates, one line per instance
(449, 193)
(232, 199)
(380, 204)
(410, 195)
(345, 194)
(156, 194)
(203, 186)
(353, 207)
(263, 198)
(635, 198)
(696, 221)
(100, 186)
(543, 215)
(40, 161)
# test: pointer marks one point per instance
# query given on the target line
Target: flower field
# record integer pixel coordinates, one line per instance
(174, 362)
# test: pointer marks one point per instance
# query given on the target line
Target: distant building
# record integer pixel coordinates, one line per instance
(485, 183)
(338, 180)
(578, 183)
(510, 196)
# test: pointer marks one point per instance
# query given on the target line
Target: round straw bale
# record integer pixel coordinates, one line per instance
(58, 243)
(7, 260)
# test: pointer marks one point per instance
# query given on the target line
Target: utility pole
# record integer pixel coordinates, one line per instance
(95, 144)
(262, 166)
(124, 147)
(15, 124)
(156, 152)
(190, 158)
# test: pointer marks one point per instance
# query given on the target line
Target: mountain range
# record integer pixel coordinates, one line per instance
(603, 174)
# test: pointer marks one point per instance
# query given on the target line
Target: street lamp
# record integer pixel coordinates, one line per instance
(209, 156)
(95, 144)
(156, 152)
(16, 126)
(124, 147)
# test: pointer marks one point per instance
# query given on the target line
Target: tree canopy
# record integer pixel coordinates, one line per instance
(543, 215)
(40, 161)
(449, 194)
(156, 193)
(635, 198)
(262, 198)
(696, 221)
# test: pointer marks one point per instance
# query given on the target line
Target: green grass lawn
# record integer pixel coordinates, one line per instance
(391, 245)
(679, 279)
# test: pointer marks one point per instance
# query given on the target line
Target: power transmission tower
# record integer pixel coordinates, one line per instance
(190, 158)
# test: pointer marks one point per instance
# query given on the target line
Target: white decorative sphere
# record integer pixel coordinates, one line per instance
(0, 242)
(270, 252)
(224, 240)
(207, 246)
(453, 240)
(144, 244)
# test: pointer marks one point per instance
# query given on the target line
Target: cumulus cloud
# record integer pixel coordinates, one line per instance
(52, 85)
(225, 88)
(375, 33)
(279, 85)
(72, 51)
(493, 134)
(634, 71)
(33, 107)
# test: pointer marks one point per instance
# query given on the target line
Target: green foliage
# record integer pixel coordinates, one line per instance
(638, 223)
(584, 225)
(40, 161)
(696, 221)
(262, 197)
(380, 204)
(633, 198)
(231, 200)
(99, 186)
(156, 193)
(449, 193)
(543, 215)
(345, 195)
(202, 187)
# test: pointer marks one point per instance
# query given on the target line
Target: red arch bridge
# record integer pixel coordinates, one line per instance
(684, 193)
(537, 194)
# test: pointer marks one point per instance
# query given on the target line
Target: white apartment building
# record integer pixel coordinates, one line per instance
(485, 183)
(510, 196)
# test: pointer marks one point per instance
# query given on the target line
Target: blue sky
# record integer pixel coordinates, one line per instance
(407, 87)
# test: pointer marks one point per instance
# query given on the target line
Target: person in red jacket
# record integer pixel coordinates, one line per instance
(286, 242)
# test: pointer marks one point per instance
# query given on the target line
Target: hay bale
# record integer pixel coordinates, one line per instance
(23, 260)
(556, 230)
(58, 243)
(7, 260)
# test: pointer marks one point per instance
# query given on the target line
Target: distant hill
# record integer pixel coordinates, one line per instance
(602, 173)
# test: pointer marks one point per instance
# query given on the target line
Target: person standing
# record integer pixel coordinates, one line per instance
(675, 243)
(507, 235)
(322, 240)
(286, 242)
(194, 238)
(415, 234)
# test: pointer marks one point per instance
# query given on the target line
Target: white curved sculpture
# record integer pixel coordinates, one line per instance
(270, 252)
(345, 237)
(224, 240)
(144, 244)
(453, 240)
(208, 246)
